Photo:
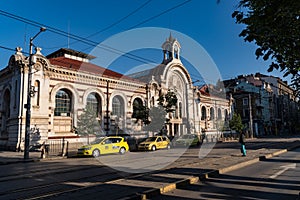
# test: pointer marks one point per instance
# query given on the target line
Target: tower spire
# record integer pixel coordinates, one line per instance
(171, 49)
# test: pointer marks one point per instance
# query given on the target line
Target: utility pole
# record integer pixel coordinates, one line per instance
(250, 117)
(30, 93)
(106, 123)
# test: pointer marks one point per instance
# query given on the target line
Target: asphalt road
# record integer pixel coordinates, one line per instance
(276, 178)
(117, 176)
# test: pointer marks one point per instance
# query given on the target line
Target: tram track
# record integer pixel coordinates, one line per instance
(58, 186)
(39, 173)
(64, 180)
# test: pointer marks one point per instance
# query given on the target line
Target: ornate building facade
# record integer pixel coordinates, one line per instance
(266, 104)
(65, 82)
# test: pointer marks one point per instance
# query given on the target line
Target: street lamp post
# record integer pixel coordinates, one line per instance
(30, 93)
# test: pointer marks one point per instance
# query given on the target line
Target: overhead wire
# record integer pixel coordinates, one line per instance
(7, 48)
(120, 20)
(158, 15)
(111, 25)
(90, 42)
(78, 38)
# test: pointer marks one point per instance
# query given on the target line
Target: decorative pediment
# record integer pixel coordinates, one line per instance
(17, 60)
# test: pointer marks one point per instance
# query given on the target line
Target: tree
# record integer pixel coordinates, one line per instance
(88, 124)
(274, 25)
(168, 102)
(157, 117)
(141, 112)
(236, 123)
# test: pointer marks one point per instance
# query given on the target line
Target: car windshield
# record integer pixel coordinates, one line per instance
(98, 140)
(185, 137)
(150, 139)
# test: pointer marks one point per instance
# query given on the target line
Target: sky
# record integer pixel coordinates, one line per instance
(205, 21)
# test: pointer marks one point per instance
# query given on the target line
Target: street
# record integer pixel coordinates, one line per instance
(117, 176)
(275, 178)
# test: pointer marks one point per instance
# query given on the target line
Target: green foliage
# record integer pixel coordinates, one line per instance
(236, 123)
(168, 101)
(141, 112)
(88, 124)
(157, 117)
(274, 25)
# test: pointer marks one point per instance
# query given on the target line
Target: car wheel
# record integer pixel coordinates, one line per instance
(153, 148)
(96, 153)
(122, 150)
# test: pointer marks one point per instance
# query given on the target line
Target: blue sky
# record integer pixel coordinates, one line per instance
(205, 21)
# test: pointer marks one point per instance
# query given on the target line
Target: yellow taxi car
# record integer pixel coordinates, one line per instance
(106, 145)
(155, 142)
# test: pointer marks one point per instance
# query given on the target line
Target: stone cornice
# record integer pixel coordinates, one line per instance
(63, 74)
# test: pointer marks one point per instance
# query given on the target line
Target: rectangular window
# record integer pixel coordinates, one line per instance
(245, 112)
(245, 102)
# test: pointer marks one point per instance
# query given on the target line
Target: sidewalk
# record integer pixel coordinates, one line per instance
(10, 157)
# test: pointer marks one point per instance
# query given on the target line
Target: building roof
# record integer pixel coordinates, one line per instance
(77, 65)
(146, 75)
(61, 52)
(212, 91)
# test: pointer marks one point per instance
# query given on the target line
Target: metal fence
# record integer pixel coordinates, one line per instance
(57, 147)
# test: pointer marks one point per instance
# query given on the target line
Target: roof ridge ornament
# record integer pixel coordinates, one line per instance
(171, 38)
(38, 51)
(19, 51)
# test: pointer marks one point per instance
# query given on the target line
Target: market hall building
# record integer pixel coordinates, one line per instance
(65, 82)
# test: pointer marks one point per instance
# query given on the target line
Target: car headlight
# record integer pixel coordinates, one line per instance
(87, 148)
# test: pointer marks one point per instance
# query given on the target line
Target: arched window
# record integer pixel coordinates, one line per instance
(63, 103)
(137, 108)
(6, 104)
(203, 113)
(94, 103)
(5, 115)
(180, 109)
(219, 113)
(16, 94)
(226, 115)
(152, 101)
(37, 92)
(176, 52)
(118, 106)
(212, 113)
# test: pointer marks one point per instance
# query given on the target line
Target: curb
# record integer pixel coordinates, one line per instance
(194, 179)
(18, 161)
(169, 187)
(30, 160)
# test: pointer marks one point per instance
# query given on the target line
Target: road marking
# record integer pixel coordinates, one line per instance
(285, 168)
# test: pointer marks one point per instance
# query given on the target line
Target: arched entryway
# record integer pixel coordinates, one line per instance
(118, 113)
(93, 101)
(5, 114)
(63, 111)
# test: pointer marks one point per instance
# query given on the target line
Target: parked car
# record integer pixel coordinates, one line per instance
(131, 141)
(106, 145)
(187, 140)
(154, 143)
